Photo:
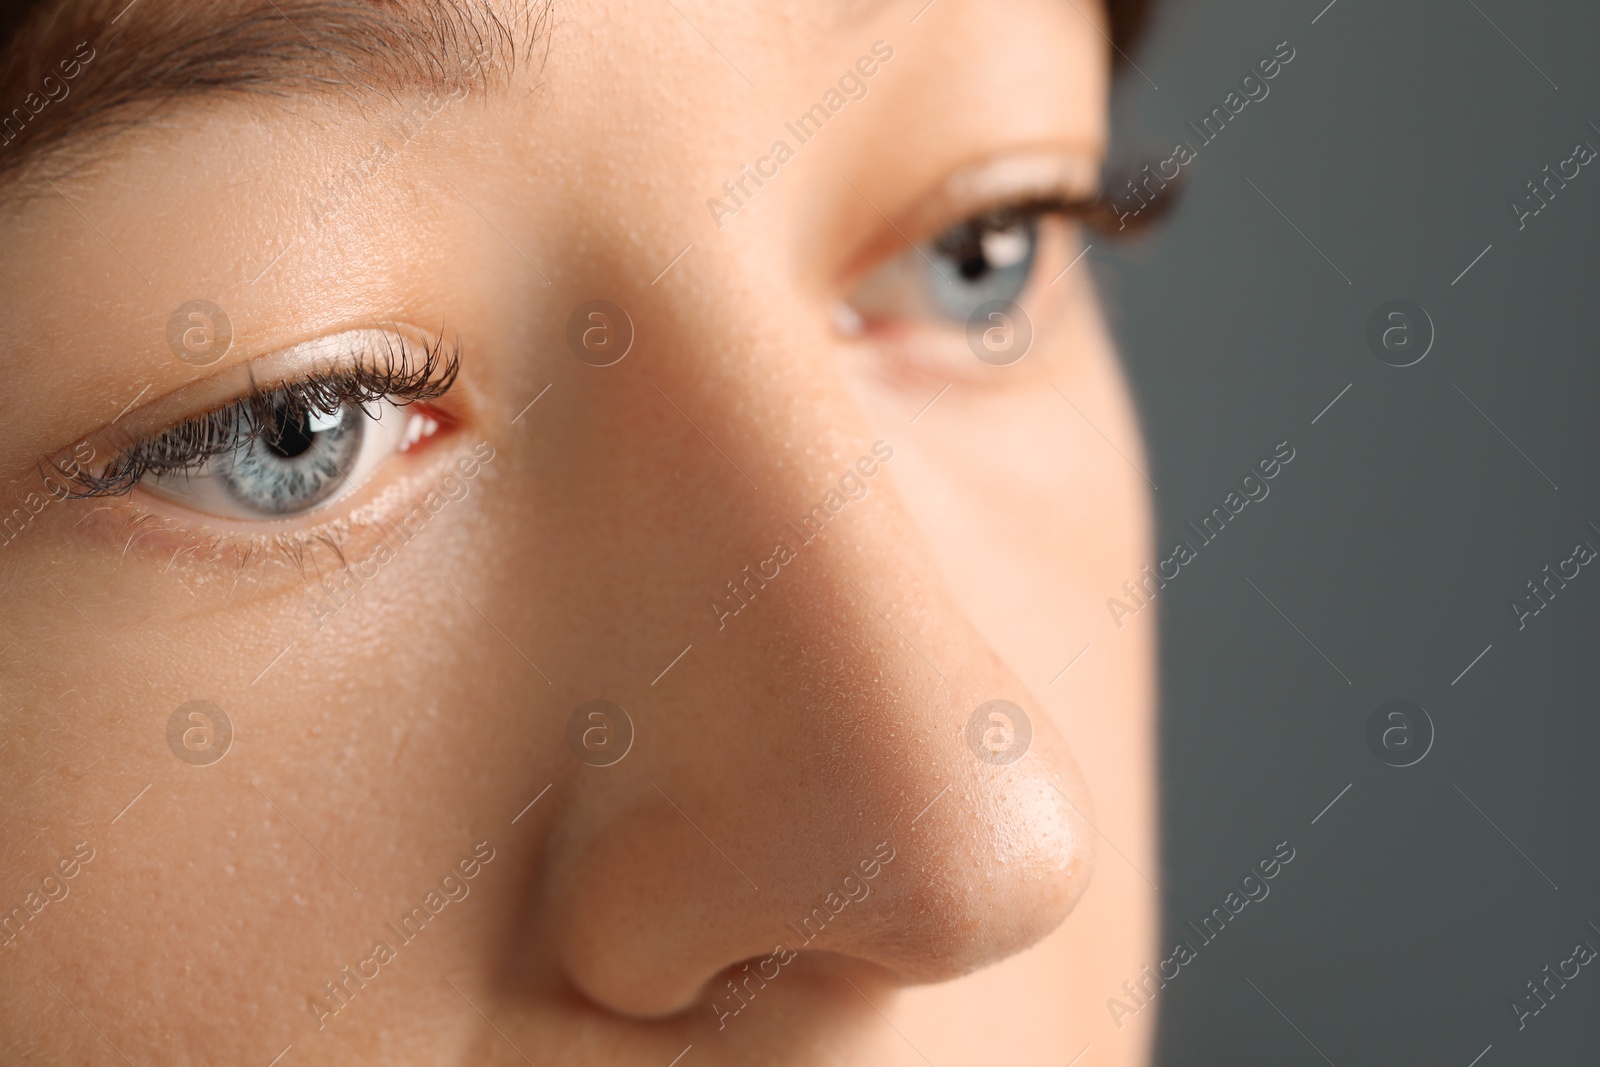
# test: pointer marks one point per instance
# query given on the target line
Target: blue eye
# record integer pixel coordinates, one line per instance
(946, 279)
(296, 462)
(980, 260)
(289, 460)
(289, 449)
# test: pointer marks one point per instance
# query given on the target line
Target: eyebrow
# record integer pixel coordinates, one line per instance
(70, 69)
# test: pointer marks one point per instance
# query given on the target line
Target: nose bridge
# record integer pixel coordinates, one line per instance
(801, 491)
(830, 588)
(819, 756)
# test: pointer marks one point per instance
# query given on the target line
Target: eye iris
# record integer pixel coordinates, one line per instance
(297, 462)
(981, 260)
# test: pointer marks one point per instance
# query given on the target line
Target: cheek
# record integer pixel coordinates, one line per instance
(350, 740)
(1036, 517)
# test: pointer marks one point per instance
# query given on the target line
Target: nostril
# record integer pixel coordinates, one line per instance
(737, 987)
(990, 867)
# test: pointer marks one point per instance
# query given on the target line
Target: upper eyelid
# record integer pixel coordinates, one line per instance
(1051, 180)
(1088, 210)
(1045, 178)
(405, 347)
(323, 355)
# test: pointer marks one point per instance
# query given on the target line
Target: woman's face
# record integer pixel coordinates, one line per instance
(300, 690)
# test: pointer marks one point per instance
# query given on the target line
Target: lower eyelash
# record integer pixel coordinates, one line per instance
(398, 375)
(302, 552)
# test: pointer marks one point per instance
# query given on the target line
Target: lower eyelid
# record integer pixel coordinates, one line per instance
(276, 554)
(915, 354)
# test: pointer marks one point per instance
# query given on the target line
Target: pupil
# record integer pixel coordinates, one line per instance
(291, 433)
(964, 245)
(972, 262)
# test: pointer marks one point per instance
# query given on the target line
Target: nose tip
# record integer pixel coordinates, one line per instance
(867, 819)
(993, 862)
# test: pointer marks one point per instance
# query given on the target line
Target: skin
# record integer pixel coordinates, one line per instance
(375, 751)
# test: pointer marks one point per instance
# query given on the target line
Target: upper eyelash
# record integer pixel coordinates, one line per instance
(1008, 215)
(398, 376)
(1114, 222)
(1005, 215)
(1096, 211)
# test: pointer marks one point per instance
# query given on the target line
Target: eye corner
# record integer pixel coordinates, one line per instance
(427, 424)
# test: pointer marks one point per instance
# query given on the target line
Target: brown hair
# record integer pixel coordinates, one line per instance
(1128, 19)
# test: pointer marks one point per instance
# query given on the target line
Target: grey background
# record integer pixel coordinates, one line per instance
(1395, 540)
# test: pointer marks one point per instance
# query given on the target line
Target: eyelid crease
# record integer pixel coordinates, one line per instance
(359, 373)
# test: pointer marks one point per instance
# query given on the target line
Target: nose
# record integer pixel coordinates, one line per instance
(842, 763)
